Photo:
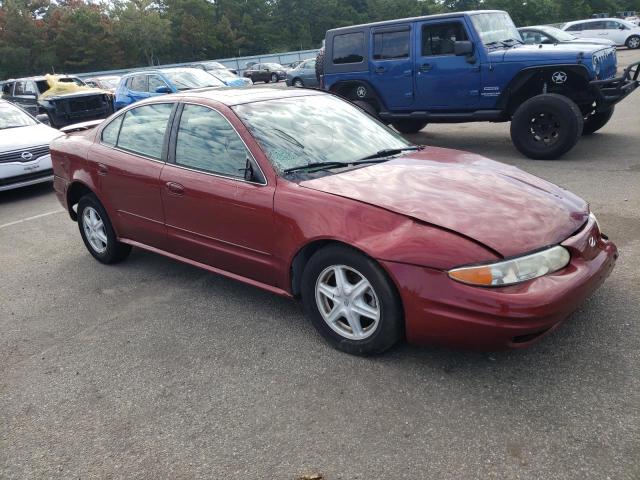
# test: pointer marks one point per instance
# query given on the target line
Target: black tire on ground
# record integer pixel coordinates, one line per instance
(274, 78)
(367, 107)
(297, 82)
(546, 126)
(596, 121)
(409, 126)
(320, 64)
(115, 251)
(390, 327)
(633, 42)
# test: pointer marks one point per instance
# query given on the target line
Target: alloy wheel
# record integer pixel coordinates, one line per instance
(94, 230)
(347, 302)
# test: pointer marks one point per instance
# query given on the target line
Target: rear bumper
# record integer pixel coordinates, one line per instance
(441, 311)
(611, 91)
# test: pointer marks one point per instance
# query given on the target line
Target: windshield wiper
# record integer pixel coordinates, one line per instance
(387, 152)
(318, 165)
(511, 40)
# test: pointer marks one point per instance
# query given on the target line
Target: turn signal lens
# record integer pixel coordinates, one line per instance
(514, 270)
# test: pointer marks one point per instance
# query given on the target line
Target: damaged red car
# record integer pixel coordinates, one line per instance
(305, 195)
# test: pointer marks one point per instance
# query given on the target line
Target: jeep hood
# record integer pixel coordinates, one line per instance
(500, 206)
(561, 52)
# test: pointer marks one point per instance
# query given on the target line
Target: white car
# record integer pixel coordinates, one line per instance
(623, 33)
(24, 148)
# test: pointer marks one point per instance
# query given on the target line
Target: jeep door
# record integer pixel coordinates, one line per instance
(391, 65)
(444, 81)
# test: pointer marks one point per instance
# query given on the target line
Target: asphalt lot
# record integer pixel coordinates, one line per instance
(154, 369)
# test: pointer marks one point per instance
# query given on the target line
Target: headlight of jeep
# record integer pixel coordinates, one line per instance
(514, 270)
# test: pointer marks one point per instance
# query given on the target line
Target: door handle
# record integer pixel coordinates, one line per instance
(425, 67)
(380, 70)
(102, 169)
(175, 188)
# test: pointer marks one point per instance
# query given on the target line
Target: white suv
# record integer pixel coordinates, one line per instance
(620, 31)
(24, 148)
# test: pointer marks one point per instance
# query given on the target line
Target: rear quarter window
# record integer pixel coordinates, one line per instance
(348, 48)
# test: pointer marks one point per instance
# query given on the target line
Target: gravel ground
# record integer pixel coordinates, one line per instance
(154, 369)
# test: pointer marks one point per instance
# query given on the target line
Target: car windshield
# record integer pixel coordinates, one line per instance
(558, 34)
(495, 27)
(315, 129)
(13, 117)
(192, 78)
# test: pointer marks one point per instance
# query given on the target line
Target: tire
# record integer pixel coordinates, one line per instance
(596, 121)
(367, 107)
(633, 42)
(409, 126)
(320, 64)
(546, 126)
(383, 325)
(274, 78)
(113, 251)
(297, 82)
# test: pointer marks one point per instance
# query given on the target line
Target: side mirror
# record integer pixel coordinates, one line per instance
(463, 47)
(163, 89)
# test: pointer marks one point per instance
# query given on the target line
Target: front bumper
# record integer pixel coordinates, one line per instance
(439, 310)
(21, 174)
(611, 91)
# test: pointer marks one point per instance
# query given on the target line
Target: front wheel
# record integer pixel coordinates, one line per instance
(596, 121)
(633, 42)
(351, 301)
(274, 78)
(546, 126)
(409, 126)
(97, 232)
(297, 82)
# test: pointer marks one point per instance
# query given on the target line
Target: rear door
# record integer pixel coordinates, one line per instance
(595, 29)
(444, 81)
(391, 64)
(213, 215)
(127, 162)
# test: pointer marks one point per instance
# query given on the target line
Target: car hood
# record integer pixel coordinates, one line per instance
(500, 206)
(26, 137)
(568, 52)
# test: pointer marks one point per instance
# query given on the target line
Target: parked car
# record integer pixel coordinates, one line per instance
(621, 32)
(213, 66)
(630, 16)
(548, 35)
(381, 238)
(137, 86)
(107, 82)
(229, 79)
(265, 72)
(304, 75)
(292, 65)
(60, 109)
(24, 148)
(473, 66)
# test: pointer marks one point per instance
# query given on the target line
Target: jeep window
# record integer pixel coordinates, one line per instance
(12, 117)
(390, 45)
(439, 38)
(111, 131)
(139, 83)
(143, 129)
(348, 48)
(495, 27)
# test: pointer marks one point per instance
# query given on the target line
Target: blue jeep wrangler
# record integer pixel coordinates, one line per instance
(471, 67)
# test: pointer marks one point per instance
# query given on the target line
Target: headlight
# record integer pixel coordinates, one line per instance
(515, 270)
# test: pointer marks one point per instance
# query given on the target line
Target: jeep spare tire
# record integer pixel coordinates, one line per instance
(320, 64)
(546, 126)
(595, 121)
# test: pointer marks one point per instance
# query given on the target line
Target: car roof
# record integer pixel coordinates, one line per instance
(590, 20)
(239, 96)
(413, 19)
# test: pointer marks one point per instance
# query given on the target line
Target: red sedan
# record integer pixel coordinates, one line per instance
(303, 194)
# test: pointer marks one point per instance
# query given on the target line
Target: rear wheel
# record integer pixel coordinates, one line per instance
(351, 301)
(97, 232)
(409, 126)
(633, 42)
(596, 121)
(546, 126)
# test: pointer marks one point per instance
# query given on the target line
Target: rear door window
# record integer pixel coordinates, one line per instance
(139, 83)
(575, 28)
(440, 38)
(143, 129)
(348, 48)
(391, 45)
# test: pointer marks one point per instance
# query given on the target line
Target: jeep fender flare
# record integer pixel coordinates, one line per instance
(532, 81)
(349, 90)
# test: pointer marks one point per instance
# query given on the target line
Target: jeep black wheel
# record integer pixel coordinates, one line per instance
(595, 121)
(633, 42)
(546, 126)
(409, 126)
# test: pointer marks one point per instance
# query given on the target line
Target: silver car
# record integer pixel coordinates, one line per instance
(304, 75)
(24, 148)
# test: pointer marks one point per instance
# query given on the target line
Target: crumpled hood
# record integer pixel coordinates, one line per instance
(497, 205)
(568, 52)
(78, 94)
(26, 137)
